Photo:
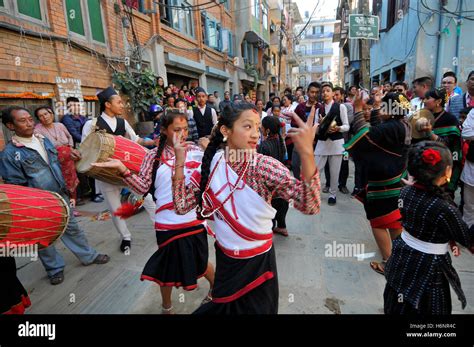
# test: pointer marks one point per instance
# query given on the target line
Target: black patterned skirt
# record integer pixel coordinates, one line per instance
(436, 299)
(13, 296)
(181, 258)
(244, 286)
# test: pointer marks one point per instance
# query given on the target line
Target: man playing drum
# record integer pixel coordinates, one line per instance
(31, 160)
(111, 106)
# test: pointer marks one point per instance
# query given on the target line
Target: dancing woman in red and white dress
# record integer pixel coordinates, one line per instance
(236, 186)
(182, 255)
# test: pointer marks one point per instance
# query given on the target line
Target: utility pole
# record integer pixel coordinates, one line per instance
(280, 49)
(364, 49)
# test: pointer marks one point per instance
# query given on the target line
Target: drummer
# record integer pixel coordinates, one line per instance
(329, 147)
(111, 106)
(32, 161)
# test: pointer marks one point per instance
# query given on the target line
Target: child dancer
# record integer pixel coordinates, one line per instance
(419, 271)
(236, 189)
(182, 255)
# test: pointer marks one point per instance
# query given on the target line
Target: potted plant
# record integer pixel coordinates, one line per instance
(141, 88)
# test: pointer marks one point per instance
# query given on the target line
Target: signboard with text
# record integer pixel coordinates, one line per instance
(363, 27)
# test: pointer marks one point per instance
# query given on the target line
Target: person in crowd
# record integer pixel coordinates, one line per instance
(32, 160)
(459, 102)
(421, 86)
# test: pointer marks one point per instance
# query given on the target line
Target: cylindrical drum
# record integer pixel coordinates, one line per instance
(31, 216)
(99, 146)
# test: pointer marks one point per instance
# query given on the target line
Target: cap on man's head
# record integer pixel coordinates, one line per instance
(237, 97)
(106, 94)
(199, 90)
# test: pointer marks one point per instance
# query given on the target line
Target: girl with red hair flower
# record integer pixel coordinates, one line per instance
(419, 271)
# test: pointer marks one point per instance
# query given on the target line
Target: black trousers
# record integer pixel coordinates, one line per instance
(282, 208)
(343, 173)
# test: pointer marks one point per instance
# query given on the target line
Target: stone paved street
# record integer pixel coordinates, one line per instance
(309, 281)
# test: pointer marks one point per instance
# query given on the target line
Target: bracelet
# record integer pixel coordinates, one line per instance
(177, 179)
(178, 166)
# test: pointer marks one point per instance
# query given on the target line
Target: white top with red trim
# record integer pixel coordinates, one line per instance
(166, 218)
(243, 225)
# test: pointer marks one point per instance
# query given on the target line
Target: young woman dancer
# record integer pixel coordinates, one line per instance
(236, 186)
(182, 255)
(383, 148)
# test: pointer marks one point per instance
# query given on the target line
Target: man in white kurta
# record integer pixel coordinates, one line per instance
(332, 150)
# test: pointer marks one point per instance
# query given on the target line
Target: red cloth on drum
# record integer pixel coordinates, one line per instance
(33, 216)
(68, 168)
(129, 152)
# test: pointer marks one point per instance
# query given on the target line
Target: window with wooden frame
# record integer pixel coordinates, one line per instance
(31, 10)
(84, 20)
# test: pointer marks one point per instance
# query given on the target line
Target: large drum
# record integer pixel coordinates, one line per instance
(31, 216)
(100, 146)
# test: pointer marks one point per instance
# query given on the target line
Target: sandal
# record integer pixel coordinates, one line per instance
(378, 267)
(207, 299)
(281, 231)
(169, 310)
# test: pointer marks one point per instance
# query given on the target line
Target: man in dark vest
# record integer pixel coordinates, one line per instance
(111, 106)
(329, 147)
(205, 116)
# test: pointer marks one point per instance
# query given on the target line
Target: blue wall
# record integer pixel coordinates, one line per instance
(395, 47)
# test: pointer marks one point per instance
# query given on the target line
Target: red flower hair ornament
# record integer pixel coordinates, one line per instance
(431, 156)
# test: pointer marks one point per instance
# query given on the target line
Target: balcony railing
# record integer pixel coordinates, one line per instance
(312, 52)
(310, 69)
(327, 35)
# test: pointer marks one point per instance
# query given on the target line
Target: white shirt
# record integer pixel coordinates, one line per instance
(285, 117)
(330, 147)
(264, 114)
(416, 104)
(467, 175)
(213, 112)
(112, 123)
(34, 143)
